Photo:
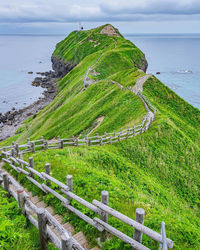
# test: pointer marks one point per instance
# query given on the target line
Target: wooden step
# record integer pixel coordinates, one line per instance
(13, 188)
(35, 199)
(50, 210)
(41, 204)
(69, 228)
(59, 218)
(55, 232)
(28, 193)
(80, 237)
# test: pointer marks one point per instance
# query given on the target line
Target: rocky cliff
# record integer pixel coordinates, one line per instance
(60, 67)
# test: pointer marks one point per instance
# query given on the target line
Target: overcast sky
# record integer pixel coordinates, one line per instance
(131, 16)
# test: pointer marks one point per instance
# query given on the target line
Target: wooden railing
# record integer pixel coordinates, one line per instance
(100, 208)
(39, 217)
(107, 138)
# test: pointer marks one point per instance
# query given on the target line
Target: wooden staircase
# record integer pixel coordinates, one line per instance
(80, 237)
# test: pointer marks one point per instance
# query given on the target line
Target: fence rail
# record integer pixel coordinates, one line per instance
(107, 138)
(101, 209)
(39, 217)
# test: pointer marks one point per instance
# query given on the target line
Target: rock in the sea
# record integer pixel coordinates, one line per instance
(158, 73)
(30, 72)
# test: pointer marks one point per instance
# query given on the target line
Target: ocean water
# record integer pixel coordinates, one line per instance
(175, 56)
(18, 56)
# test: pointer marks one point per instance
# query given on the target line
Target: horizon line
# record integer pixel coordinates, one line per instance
(62, 34)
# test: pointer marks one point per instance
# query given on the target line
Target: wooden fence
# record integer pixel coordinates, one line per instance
(100, 208)
(107, 138)
(39, 217)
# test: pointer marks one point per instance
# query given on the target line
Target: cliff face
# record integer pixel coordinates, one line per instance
(60, 67)
(79, 44)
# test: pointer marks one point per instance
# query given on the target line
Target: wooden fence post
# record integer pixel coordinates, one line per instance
(33, 147)
(104, 215)
(70, 182)
(48, 171)
(119, 136)
(66, 242)
(86, 139)
(89, 142)
(101, 141)
(74, 140)
(21, 199)
(45, 144)
(13, 152)
(5, 156)
(17, 149)
(13, 155)
(139, 217)
(128, 131)
(6, 184)
(20, 157)
(31, 165)
(163, 245)
(42, 226)
(133, 131)
(61, 145)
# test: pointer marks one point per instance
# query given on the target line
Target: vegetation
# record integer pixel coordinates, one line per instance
(14, 232)
(158, 170)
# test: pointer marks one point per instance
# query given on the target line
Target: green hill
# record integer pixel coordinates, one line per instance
(157, 170)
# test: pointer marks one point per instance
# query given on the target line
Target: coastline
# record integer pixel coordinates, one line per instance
(12, 120)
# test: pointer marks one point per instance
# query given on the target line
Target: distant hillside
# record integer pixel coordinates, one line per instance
(158, 170)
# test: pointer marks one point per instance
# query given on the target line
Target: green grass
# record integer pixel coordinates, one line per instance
(15, 233)
(158, 170)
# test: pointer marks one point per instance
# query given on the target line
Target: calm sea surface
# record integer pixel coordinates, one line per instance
(18, 56)
(175, 56)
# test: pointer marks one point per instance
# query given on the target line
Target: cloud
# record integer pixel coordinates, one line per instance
(60, 11)
(172, 7)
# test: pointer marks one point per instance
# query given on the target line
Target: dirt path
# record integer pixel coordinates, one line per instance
(99, 121)
(139, 83)
(138, 88)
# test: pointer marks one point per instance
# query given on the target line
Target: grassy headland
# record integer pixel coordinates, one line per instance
(158, 170)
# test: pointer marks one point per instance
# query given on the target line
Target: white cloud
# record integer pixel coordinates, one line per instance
(152, 6)
(27, 11)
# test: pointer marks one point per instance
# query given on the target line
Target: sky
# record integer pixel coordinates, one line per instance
(130, 16)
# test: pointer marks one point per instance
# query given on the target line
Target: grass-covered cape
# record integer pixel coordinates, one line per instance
(158, 170)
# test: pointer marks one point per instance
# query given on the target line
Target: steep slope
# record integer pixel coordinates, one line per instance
(80, 44)
(158, 170)
(77, 106)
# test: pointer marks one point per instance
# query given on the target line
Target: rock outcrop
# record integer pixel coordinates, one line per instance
(109, 30)
(60, 67)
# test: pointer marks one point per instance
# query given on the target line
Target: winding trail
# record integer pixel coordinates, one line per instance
(145, 125)
(139, 83)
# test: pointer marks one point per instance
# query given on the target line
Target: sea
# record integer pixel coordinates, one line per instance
(175, 56)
